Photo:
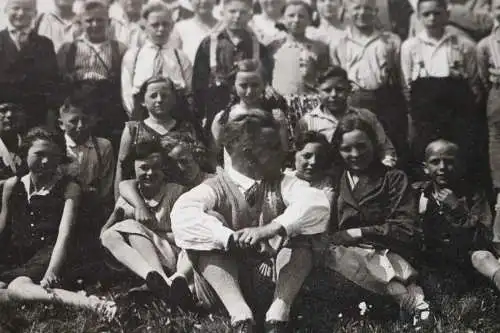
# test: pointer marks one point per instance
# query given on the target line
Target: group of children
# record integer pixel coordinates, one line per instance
(206, 154)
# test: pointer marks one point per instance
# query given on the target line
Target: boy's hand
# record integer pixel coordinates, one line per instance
(49, 280)
(347, 237)
(447, 198)
(249, 237)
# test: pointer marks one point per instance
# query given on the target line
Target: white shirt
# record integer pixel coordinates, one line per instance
(138, 66)
(307, 213)
(265, 29)
(187, 36)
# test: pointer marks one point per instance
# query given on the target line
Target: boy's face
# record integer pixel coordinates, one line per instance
(236, 15)
(363, 13)
(76, 125)
(64, 3)
(43, 157)
(149, 171)
(296, 19)
(328, 9)
(272, 7)
(432, 15)
(186, 164)
(203, 7)
(441, 165)
(132, 6)
(158, 26)
(334, 94)
(95, 24)
(310, 162)
(20, 13)
(249, 87)
(12, 121)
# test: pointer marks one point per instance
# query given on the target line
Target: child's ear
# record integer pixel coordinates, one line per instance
(60, 123)
(424, 167)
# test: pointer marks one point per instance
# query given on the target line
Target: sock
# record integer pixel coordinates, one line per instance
(278, 311)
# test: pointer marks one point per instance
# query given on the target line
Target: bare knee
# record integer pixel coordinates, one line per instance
(110, 239)
(19, 283)
(479, 257)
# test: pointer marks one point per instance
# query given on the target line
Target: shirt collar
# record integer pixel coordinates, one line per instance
(30, 190)
(374, 36)
(148, 43)
(70, 143)
(12, 29)
(240, 179)
(319, 113)
(424, 37)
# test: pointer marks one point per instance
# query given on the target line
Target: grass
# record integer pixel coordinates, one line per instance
(328, 303)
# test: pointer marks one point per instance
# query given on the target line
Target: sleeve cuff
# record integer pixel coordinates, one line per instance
(222, 235)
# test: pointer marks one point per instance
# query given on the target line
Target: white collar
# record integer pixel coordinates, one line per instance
(424, 37)
(240, 179)
(26, 180)
(150, 44)
(70, 143)
(155, 201)
(319, 113)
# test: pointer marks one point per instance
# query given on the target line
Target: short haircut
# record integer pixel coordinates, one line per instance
(249, 3)
(249, 65)
(155, 7)
(90, 5)
(241, 133)
(352, 122)
(431, 147)
(441, 3)
(32, 2)
(315, 137)
(144, 150)
(82, 101)
(301, 3)
(43, 133)
(331, 73)
(195, 147)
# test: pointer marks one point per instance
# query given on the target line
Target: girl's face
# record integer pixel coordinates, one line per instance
(328, 9)
(149, 171)
(432, 15)
(12, 121)
(296, 19)
(357, 150)
(44, 157)
(159, 99)
(249, 87)
(272, 7)
(363, 13)
(203, 7)
(158, 26)
(186, 164)
(310, 162)
(236, 15)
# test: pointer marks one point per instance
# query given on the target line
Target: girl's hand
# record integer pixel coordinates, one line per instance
(49, 280)
(144, 215)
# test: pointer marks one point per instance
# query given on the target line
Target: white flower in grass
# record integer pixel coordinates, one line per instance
(363, 308)
(340, 315)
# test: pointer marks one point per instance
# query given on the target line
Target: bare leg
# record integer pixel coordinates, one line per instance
(127, 254)
(148, 251)
(221, 272)
(184, 267)
(23, 289)
(293, 266)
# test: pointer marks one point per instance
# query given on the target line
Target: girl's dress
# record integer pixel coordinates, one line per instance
(32, 228)
(157, 232)
(382, 205)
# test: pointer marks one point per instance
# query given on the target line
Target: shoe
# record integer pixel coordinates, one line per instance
(243, 326)
(158, 285)
(276, 327)
(180, 295)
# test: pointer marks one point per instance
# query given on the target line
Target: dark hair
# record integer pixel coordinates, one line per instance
(241, 133)
(89, 5)
(249, 3)
(82, 98)
(304, 4)
(195, 147)
(181, 102)
(153, 7)
(13, 107)
(145, 149)
(331, 73)
(441, 3)
(315, 137)
(43, 133)
(352, 122)
(451, 145)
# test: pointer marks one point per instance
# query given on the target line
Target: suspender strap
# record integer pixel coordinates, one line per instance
(100, 165)
(181, 70)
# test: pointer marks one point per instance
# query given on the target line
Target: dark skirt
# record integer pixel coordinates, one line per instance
(34, 266)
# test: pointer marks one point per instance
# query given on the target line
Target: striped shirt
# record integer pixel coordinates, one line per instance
(92, 61)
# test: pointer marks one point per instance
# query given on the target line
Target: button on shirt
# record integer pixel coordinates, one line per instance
(307, 213)
(371, 62)
(139, 65)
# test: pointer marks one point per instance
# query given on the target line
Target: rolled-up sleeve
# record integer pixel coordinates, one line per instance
(193, 224)
(308, 209)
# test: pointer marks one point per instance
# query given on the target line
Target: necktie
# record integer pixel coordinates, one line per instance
(21, 38)
(158, 63)
(254, 194)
